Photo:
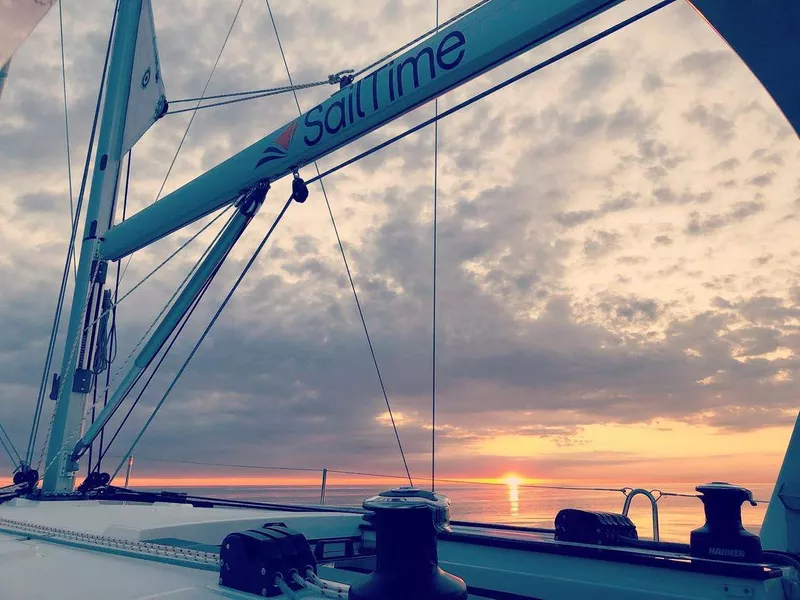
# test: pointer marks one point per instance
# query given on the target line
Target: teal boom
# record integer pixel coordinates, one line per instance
(482, 40)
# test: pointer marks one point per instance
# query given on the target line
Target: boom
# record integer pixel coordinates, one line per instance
(482, 40)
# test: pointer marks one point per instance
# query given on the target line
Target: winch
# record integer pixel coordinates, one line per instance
(406, 522)
(723, 537)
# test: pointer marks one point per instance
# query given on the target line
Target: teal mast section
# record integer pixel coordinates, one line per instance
(59, 473)
(4, 75)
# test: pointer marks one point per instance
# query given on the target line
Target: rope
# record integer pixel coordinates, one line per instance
(113, 343)
(37, 413)
(194, 114)
(205, 333)
(255, 94)
(435, 263)
(346, 264)
(493, 89)
(420, 38)
(66, 125)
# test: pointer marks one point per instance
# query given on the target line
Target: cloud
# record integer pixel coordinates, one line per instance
(699, 225)
(567, 295)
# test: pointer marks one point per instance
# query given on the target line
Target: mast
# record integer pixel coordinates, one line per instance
(59, 473)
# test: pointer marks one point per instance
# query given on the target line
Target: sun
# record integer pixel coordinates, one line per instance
(512, 480)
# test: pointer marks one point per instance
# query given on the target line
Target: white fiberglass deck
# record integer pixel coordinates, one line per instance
(86, 550)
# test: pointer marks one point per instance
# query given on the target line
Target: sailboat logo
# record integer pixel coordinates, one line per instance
(280, 147)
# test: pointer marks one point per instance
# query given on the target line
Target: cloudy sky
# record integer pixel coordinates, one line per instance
(618, 274)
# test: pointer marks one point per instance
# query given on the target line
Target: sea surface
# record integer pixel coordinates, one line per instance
(520, 505)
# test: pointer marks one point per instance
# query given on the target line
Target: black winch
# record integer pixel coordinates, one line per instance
(406, 522)
(723, 537)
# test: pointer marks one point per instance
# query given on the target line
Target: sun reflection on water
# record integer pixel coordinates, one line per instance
(512, 481)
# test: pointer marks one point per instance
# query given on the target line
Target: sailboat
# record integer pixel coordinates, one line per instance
(65, 538)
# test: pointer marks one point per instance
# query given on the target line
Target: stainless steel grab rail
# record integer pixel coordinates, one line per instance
(630, 493)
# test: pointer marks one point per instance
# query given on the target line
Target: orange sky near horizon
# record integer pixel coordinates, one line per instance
(649, 452)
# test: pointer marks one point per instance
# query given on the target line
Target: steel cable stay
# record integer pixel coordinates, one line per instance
(346, 263)
(8, 445)
(70, 254)
(576, 488)
(66, 124)
(434, 274)
(340, 77)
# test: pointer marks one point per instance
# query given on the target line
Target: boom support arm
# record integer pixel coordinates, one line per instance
(489, 36)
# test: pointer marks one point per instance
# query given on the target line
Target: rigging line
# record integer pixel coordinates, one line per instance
(344, 259)
(37, 414)
(235, 466)
(66, 125)
(495, 88)
(191, 120)
(435, 263)
(420, 38)
(331, 80)
(10, 456)
(216, 316)
(75, 433)
(205, 87)
(255, 97)
(113, 344)
(171, 256)
(184, 321)
(18, 461)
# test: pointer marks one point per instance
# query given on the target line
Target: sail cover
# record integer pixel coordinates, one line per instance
(766, 36)
(17, 19)
(147, 101)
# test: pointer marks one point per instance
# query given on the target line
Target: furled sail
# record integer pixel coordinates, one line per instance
(147, 101)
(17, 19)
(765, 35)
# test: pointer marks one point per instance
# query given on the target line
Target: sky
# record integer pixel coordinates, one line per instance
(617, 257)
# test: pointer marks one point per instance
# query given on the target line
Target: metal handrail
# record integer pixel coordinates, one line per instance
(630, 493)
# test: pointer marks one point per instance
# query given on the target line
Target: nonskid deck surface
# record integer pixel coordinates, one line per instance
(84, 549)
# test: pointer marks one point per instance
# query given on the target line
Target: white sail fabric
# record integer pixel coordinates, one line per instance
(147, 101)
(17, 19)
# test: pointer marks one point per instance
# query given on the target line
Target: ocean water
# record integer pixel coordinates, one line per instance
(520, 505)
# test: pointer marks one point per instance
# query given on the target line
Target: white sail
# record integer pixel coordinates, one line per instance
(147, 100)
(17, 19)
